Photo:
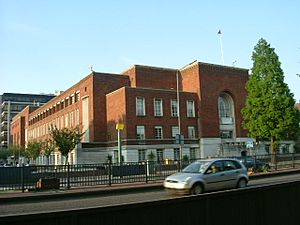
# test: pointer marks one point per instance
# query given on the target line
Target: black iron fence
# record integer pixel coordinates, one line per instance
(108, 174)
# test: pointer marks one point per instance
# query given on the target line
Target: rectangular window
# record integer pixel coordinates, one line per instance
(67, 120)
(190, 107)
(140, 132)
(160, 155)
(158, 132)
(191, 132)
(174, 108)
(142, 155)
(175, 131)
(176, 154)
(192, 153)
(158, 107)
(226, 134)
(71, 119)
(77, 117)
(77, 96)
(140, 106)
(72, 98)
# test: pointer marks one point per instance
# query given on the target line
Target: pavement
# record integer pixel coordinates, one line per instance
(15, 196)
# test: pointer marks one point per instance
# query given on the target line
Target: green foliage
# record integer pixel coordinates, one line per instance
(151, 156)
(66, 139)
(48, 147)
(4, 153)
(16, 151)
(33, 149)
(269, 111)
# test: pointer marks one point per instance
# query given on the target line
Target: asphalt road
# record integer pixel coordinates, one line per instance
(70, 203)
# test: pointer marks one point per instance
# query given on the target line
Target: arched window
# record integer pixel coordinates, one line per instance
(225, 106)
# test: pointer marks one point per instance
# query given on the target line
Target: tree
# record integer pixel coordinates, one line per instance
(66, 139)
(269, 111)
(33, 149)
(47, 148)
(15, 151)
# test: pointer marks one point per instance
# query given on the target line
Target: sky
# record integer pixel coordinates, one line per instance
(49, 45)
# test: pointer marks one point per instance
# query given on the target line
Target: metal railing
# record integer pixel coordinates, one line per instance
(108, 174)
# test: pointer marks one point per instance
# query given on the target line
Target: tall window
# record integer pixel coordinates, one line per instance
(158, 132)
(225, 106)
(71, 119)
(158, 107)
(77, 117)
(140, 132)
(192, 153)
(174, 108)
(142, 155)
(175, 130)
(190, 105)
(67, 120)
(140, 106)
(160, 155)
(176, 154)
(191, 132)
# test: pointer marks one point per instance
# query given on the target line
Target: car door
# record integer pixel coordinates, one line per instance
(214, 176)
(231, 173)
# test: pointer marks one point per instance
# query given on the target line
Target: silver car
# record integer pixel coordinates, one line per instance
(208, 175)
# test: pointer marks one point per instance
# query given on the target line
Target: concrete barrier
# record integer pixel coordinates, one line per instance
(265, 205)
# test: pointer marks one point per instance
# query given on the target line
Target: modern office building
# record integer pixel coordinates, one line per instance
(201, 101)
(11, 105)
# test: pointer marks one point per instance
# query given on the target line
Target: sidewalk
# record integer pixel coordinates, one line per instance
(79, 191)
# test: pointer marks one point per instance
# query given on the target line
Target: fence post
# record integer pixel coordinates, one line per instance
(146, 170)
(293, 159)
(109, 172)
(22, 178)
(68, 174)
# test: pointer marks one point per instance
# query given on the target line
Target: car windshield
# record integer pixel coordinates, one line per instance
(196, 167)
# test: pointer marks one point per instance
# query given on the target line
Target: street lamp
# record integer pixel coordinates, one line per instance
(119, 128)
(179, 136)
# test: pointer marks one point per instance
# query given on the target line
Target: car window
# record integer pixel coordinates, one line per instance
(196, 167)
(237, 165)
(216, 167)
(229, 165)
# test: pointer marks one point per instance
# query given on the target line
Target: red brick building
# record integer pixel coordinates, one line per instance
(145, 100)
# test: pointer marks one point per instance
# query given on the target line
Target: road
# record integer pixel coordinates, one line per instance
(53, 205)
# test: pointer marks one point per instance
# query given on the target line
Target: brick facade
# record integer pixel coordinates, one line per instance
(112, 98)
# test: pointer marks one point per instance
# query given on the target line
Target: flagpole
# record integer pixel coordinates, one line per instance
(220, 35)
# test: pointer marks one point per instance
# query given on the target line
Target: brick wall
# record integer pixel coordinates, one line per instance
(215, 80)
(121, 105)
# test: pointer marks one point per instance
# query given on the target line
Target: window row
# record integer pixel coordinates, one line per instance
(73, 98)
(159, 132)
(160, 155)
(68, 120)
(158, 107)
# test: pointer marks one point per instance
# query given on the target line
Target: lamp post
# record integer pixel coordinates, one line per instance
(119, 128)
(179, 136)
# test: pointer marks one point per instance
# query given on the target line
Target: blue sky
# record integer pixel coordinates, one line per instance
(48, 45)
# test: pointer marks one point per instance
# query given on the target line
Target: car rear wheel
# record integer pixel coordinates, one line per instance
(242, 183)
(197, 189)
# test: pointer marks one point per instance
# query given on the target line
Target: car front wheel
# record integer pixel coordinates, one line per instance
(197, 189)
